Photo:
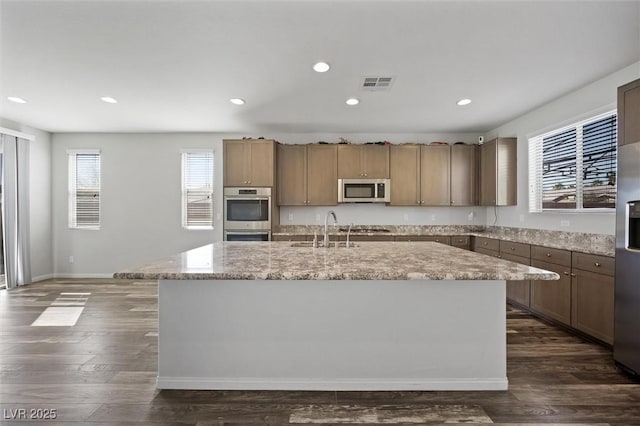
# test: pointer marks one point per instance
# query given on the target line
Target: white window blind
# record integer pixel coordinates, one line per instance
(84, 189)
(197, 189)
(574, 167)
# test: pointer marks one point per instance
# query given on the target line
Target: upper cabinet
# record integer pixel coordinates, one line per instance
(363, 161)
(498, 180)
(464, 175)
(420, 175)
(629, 113)
(249, 162)
(307, 175)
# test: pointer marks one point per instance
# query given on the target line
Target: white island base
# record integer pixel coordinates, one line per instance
(332, 335)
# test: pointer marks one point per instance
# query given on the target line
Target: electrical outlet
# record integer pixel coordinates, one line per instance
(71, 259)
(290, 217)
(565, 223)
(405, 217)
(470, 216)
(521, 218)
(433, 217)
(318, 218)
(218, 216)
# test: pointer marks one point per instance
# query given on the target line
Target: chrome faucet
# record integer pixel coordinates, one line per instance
(326, 226)
(348, 233)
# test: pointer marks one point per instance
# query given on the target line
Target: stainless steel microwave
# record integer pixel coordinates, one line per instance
(364, 190)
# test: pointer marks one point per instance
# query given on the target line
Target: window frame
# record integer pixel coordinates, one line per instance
(535, 164)
(183, 190)
(72, 170)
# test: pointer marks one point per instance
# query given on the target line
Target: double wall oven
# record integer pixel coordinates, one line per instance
(247, 214)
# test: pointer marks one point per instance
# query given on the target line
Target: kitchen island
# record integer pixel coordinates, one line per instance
(380, 316)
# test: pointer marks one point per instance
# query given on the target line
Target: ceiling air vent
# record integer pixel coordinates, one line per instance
(377, 83)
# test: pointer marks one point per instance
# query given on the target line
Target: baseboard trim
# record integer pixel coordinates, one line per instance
(42, 277)
(80, 275)
(441, 384)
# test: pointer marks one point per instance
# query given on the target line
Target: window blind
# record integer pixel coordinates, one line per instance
(574, 167)
(197, 189)
(84, 189)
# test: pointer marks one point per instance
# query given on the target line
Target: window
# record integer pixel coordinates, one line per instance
(574, 168)
(197, 189)
(84, 189)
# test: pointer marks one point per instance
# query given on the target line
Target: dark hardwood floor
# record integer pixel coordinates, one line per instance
(102, 371)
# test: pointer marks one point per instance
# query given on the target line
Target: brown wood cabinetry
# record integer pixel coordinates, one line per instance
(552, 298)
(404, 169)
(434, 238)
(461, 241)
(435, 189)
(363, 161)
(592, 295)
(518, 290)
(290, 237)
(486, 243)
(307, 175)
(498, 172)
(248, 162)
(629, 113)
(464, 175)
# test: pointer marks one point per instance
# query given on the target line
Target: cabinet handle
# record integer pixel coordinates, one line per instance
(513, 248)
(365, 175)
(417, 201)
(485, 243)
(548, 254)
(499, 257)
(573, 275)
(597, 264)
(566, 273)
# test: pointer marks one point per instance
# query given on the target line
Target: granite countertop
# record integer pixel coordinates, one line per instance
(599, 244)
(368, 261)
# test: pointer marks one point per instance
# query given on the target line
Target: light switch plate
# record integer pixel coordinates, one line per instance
(521, 218)
(565, 223)
(318, 218)
(405, 217)
(290, 217)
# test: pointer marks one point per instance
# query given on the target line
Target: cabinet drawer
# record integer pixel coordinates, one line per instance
(594, 263)
(435, 238)
(513, 258)
(290, 238)
(557, 256)
(487, 252)
(365, 238)
(461, 241)
(517, 249)
(486, 243)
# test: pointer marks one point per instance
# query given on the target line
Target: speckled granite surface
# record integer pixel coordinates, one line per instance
(600, 244)
(369, 261)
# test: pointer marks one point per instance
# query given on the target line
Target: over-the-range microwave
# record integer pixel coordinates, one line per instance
(364, 190)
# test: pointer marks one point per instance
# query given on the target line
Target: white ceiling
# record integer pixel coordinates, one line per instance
(174, 65)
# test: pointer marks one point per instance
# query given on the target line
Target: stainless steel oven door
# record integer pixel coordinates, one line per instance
(247, 236)
(247, 208)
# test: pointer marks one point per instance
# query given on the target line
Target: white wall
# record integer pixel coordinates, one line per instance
(40, 199)
(141, 198)
(587, 101)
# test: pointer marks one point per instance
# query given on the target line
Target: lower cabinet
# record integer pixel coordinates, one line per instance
(592, 304)
(552, 298)
(518, 291)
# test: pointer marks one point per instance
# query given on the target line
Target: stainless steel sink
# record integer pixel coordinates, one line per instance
(332, 244)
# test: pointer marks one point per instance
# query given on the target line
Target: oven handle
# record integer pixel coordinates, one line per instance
(227, 197)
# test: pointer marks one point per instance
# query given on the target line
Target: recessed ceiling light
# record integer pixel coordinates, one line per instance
(463, 102)
(237, 101)
(352, 101)
(17, 100)
(321, 67)
(108, 99)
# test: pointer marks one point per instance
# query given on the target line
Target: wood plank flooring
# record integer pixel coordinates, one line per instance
(102, 370)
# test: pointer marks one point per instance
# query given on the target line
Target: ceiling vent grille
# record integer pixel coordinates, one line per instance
(377, 83)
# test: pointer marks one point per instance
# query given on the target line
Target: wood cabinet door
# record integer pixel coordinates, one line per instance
(376, 161)
(260, 162)
(464, 172)
(518, 291)
(292, 175)
(592, 304)
(350, 162)
(506, 172)
(629, 113)
(322, 175)
(235, 163)
(435, 189)
(488, 163)
(404, 170)
(552, 298)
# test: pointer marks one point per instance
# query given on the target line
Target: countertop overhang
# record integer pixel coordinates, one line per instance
(369, 261)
